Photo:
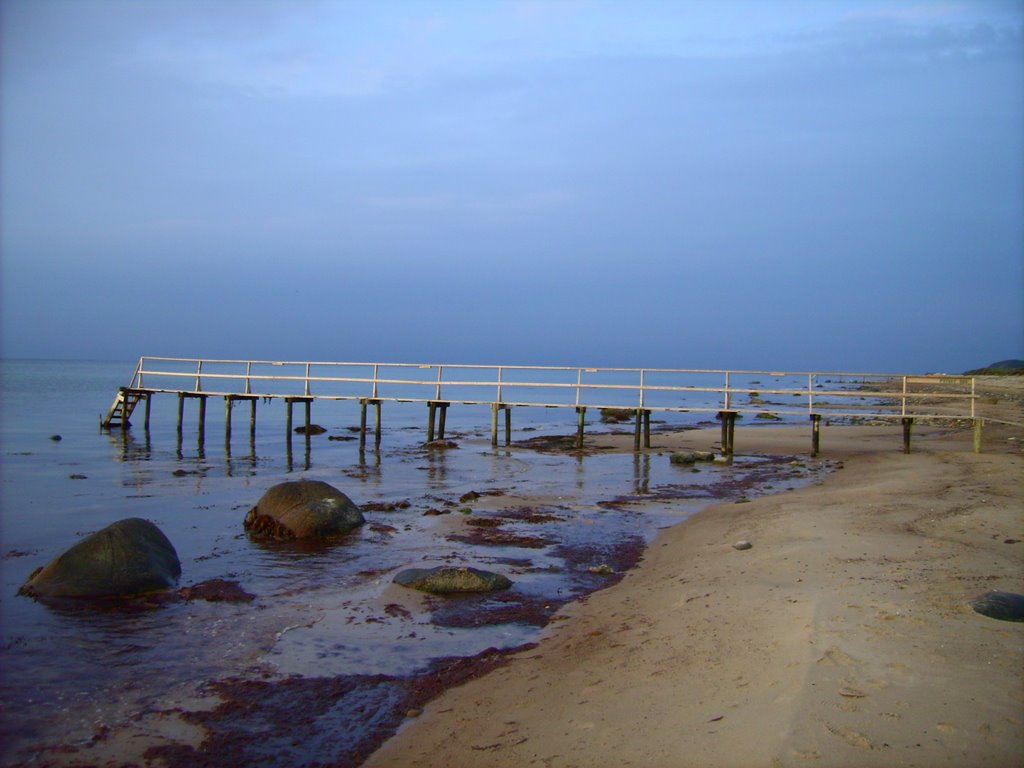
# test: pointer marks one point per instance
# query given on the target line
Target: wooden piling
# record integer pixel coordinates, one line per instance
(728, 431)
(362, 424)
(227, 421)
(202, 420)
(181, 411)
(815, 433)
(636, 430)
(978, 425)
(431, 413)
(581, 413)
(495, 407)
(908, 423)
(145, 423)
(441, 420)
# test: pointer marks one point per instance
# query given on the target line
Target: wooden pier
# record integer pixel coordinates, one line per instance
(639, 392)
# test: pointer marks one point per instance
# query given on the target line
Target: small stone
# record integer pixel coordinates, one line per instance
(742, 544)
(603, 569)
(56, 438)
(414, 713)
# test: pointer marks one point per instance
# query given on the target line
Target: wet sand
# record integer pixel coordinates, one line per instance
(842, 637)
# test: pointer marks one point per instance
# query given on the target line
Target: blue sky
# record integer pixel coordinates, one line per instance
(782, 184)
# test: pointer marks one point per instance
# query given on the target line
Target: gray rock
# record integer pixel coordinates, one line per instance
(303, 509)
(444, 579)
(742, 544)
(129, 557)
(1005, 606)
(687, 458)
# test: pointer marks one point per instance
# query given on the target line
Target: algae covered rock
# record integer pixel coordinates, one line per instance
(443, 580)
(303, 509)
(129, 557)
(688, 458)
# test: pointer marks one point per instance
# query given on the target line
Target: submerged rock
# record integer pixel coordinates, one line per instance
(444, 579)
(303, 509)
(687, 458)
(1005, 606)
(129, 557)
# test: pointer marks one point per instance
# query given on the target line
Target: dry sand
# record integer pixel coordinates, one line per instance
(843, 637)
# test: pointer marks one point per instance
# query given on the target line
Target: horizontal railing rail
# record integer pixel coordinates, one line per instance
(832, 394)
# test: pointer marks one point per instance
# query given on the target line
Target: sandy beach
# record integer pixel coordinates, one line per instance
(842, 637)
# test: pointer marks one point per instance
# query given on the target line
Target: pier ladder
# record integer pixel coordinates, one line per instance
(122, 408)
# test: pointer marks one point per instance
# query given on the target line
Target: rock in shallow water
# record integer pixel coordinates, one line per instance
(445, 579)
(129, 557)
(303, 509)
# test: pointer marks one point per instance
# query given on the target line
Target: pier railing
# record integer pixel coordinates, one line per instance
(627, 393)
(758, 392)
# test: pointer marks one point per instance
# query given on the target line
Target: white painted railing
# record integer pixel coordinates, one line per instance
(766, 394)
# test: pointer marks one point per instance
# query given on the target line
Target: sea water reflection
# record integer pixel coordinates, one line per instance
(323, 609)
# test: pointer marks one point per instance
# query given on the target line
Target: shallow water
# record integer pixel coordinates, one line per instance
(325, 610)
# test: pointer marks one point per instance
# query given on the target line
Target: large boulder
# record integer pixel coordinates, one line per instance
(443, 580)
(303, 509)
(129, 557)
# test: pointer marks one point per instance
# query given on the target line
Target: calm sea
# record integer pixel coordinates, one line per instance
(67, 674)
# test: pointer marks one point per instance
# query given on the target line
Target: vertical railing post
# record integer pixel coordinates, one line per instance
(375, 374)
(199, 376)
(728, 398)
(642, 392)
(972, 397)
(437, 394)
(248, 381)
(306, 390)
(810, 393)
(579, 381)
(499, 386)
(903, 399)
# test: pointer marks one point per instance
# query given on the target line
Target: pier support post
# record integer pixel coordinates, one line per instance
(145, 423)
(728, 431)
(643, 421)
(252, 422)
(202, 419)
(908, 423)
(636, 430)
(815, 433)
(433, 406)
(228, 402)
(362, 424)
(495, 407)
(978, 425)
(376, 424)
(181, 413)
(647, 428)
(581, 413)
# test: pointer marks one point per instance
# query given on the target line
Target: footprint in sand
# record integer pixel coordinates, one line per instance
(834, 657)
